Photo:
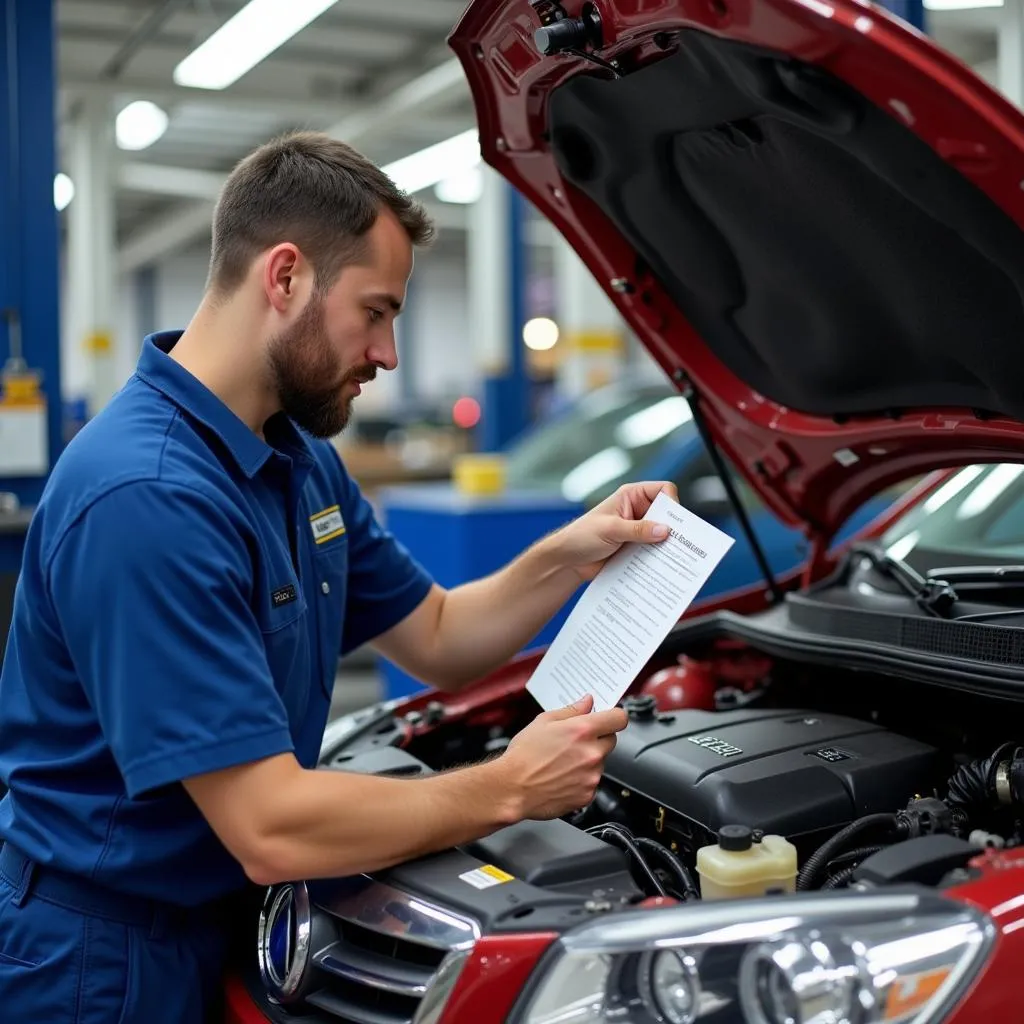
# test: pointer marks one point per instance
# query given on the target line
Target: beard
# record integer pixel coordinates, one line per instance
(307, 377)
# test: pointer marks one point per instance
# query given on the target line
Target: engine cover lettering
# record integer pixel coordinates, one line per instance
(716, 746)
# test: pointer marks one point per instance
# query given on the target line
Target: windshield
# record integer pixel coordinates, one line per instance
(975, 518)
(601, 443)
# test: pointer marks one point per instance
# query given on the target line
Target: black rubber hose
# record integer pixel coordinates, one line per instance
(847, 864)
(627, 841)
(861, 853)
(973, 787)
(833, 846)
(840, 878)
(675, 866)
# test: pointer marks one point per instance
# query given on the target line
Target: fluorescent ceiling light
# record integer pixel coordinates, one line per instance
(63, 191)
(455, 156)
(465, 187)
(255, 32)
(140, 124)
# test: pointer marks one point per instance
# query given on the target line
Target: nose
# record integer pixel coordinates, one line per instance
(384, 351)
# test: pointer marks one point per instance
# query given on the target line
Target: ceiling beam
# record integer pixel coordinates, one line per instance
(440, 85)
(316, 51)
(298, 107)
(202, 18)
(146, 30)
(160, 179)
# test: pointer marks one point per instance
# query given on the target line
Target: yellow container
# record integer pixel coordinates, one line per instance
(478, 473)
(737, 866)
(22, 388)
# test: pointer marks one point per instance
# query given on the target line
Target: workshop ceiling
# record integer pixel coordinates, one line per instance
(377, 73)
(343, 73)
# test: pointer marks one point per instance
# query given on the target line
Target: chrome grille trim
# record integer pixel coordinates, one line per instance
(332, 960)
(388, 911)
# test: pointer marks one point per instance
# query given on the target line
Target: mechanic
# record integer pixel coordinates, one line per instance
(199, 560)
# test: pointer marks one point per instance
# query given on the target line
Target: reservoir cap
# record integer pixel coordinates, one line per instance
(735, 837)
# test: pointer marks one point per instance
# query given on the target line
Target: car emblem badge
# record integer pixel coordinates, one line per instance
(284, 941)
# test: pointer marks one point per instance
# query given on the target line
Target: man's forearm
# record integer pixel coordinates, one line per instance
(484, 623)
(283, 822)
(329, 823)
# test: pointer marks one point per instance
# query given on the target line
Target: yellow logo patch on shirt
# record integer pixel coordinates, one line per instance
(327, 524)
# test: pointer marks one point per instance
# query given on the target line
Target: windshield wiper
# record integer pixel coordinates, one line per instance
(936, 596)
(982, 577)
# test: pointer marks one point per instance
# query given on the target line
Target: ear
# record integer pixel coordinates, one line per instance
(283, 271)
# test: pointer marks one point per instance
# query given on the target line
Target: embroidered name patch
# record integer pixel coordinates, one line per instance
(283, 595)
(327, 524)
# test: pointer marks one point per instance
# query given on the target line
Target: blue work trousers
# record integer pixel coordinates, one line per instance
(71, 955)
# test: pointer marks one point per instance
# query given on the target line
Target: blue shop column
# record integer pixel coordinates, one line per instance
(30, 406)
(29, 259)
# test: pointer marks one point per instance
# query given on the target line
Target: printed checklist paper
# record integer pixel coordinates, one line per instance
(628, 610)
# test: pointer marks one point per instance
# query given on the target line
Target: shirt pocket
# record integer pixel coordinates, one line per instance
(330, 563)
(281, 618)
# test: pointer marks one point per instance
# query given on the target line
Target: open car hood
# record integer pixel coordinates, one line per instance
(808, 213)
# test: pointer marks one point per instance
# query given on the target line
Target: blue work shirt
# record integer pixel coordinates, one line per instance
(186, 591)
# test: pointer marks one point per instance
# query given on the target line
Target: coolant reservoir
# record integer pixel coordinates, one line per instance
(739, 866)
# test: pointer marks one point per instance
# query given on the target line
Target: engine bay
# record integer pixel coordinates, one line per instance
(845, 767)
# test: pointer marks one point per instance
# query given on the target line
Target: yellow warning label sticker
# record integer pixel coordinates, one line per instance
(485, 876)
(501, 876)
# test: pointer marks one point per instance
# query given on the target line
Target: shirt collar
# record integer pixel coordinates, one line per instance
(249, 450)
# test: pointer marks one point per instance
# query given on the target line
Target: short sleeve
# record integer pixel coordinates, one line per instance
(385, 582)
(152, 590)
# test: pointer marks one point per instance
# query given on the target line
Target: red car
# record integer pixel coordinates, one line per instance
(812, 217)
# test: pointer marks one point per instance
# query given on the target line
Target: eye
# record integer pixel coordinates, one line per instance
(376, 315)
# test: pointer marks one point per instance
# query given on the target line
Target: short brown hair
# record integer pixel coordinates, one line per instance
(307, 188)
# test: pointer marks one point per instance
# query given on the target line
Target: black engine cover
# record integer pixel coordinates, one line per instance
(800, 774)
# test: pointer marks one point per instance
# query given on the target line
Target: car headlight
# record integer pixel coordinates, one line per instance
(845, 958)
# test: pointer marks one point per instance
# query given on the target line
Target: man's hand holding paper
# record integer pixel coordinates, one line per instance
(637, 594)
(586, 544)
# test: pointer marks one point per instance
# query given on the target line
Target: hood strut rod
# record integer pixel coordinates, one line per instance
(690, 394)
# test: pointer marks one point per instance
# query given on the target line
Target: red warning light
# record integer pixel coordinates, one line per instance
(466, 413)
